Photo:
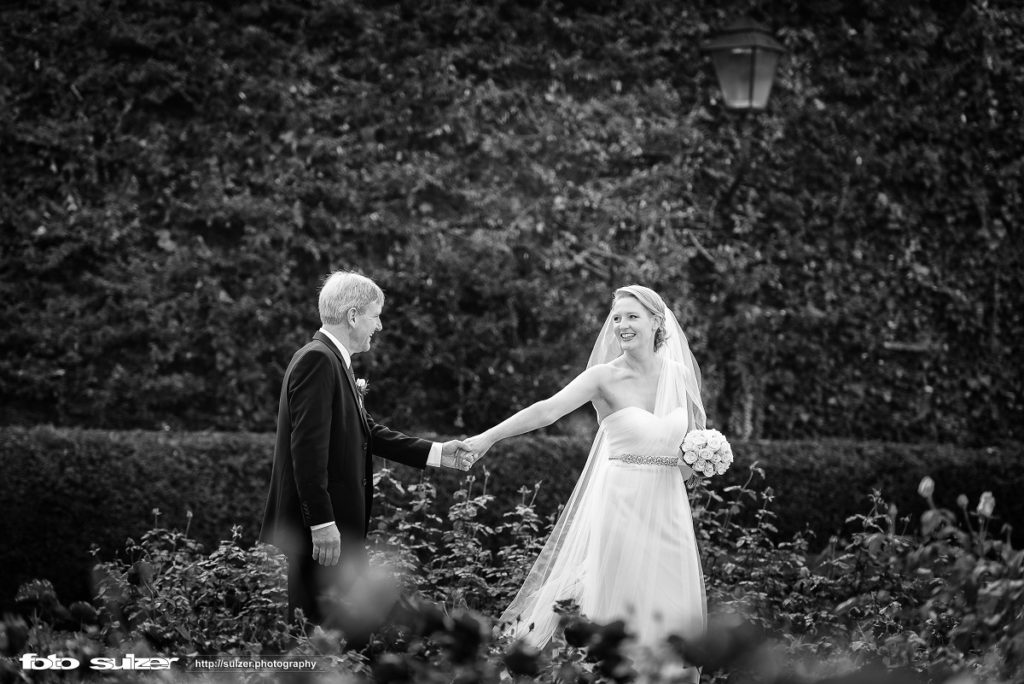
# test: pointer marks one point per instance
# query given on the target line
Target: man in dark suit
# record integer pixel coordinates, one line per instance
(321, 487)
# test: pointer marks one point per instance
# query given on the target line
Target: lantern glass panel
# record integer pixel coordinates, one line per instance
(736, 66)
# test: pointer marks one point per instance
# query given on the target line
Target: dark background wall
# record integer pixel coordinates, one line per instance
(177, 177)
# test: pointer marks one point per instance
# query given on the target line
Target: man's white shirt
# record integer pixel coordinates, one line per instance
(433, 459)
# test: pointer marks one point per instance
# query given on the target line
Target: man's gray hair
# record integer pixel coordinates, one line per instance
(344, 290)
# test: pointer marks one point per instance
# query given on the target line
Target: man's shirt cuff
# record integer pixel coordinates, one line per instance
(434, 458)
(314, 528)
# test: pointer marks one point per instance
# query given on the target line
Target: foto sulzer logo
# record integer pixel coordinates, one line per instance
(34, 661)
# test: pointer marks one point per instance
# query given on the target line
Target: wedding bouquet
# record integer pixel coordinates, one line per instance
(707, 452)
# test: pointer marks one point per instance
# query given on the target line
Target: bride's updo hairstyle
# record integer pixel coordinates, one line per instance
(652, 303)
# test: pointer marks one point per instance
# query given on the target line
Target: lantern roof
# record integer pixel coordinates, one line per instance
(743, 33)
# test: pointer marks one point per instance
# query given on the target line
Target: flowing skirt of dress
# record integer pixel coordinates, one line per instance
(642, 563)
(626, 548)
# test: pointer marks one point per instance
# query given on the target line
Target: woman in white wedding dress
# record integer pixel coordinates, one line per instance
(624, 545)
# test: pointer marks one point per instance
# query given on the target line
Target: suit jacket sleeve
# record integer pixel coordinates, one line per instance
(395, 446)
(311, 388)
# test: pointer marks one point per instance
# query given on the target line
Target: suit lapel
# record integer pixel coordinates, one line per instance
(355, 395)
(346, 373)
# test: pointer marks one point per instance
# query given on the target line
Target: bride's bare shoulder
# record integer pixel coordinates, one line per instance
(607, 377)
(602, 376)
(603, 372)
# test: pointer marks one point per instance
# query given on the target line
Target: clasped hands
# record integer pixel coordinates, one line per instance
(462, 454)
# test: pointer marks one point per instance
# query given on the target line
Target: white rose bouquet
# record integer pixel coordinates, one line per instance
(707, 452)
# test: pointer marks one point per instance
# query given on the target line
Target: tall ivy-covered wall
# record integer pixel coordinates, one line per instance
(178, 177)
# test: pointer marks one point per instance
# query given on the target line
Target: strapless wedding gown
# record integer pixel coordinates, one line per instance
(642, 562)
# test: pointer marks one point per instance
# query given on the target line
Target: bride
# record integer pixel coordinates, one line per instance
(624, 545)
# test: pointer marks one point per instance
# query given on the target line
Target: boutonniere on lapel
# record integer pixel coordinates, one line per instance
(362, 387)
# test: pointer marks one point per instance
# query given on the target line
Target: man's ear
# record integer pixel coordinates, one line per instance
(351, 316)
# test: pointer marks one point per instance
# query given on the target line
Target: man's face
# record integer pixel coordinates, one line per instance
(365, 325)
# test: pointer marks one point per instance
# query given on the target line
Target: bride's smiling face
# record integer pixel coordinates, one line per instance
(634, 327)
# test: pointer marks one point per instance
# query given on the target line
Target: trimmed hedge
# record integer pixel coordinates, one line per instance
(63, 490)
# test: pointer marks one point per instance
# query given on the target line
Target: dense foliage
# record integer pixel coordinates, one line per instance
(178, 176)
(64, 491)
(898, 605)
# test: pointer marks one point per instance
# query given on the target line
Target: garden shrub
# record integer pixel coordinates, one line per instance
(944, 599)
(63, 490)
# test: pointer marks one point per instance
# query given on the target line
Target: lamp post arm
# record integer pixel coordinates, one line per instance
(742, 166)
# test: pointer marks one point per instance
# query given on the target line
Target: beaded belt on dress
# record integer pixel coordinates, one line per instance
(640, 459)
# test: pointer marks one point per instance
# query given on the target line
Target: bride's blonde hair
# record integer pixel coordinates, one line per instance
(652, 303)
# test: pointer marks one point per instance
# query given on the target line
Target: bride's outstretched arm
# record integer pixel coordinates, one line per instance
(585, 387)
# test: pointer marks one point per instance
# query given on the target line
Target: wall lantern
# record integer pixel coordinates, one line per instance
(745, 56)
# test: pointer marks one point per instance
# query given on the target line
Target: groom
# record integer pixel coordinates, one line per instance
(321, 487)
